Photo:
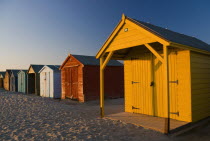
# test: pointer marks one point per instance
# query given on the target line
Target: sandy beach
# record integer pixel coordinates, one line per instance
(30, 117)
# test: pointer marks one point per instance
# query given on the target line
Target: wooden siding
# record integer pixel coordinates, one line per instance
(50, 83)
(46, 83)
(113, 84)
(13, 83)
(184, 85)
(147, 69)
(200, 75)
(7, 81)
(22, 82)
(133, 37)
(89, 79)
(57, 84)
(1, 82)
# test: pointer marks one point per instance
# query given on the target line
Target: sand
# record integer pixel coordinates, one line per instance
(30, 117)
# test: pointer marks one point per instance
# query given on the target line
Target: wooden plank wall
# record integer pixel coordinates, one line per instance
(200, 75)
(1, 82)
(113, 82)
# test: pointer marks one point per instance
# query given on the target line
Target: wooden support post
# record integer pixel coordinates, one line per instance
(101, 87)
(166, 88)
(103, 63)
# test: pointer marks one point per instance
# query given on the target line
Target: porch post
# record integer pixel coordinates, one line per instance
(166, 88)
(101, 87)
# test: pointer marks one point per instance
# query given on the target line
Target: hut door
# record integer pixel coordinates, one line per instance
(142, 82)
(47, 83)
(173, 85)
(67, 82)
(160, 107)
(72, 82)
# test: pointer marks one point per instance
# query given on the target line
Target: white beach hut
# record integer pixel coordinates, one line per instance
(50, 81)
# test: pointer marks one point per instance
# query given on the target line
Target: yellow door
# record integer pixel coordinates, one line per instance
(160, 105)
(141, 81)
(147, 82)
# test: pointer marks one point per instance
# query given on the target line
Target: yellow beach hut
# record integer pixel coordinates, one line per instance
(167, 74)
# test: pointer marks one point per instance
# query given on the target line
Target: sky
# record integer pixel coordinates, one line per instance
(46, 31)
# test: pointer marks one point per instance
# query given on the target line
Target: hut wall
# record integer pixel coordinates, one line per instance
(114, 82)
(145, 68)
(1, 82)
(200, 76)
(6, 81)
(57, 84)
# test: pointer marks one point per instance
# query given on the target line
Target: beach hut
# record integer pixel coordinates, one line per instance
(22, 81)
(7, 80)
(14, 80)
(166, 73)
(33, 86)
(2, 74)
(50, 81)
(80, 78)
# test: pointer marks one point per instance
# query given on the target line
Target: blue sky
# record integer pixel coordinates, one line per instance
(46, 31)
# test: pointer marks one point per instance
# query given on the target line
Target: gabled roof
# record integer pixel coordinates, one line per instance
(36, 68)
(163, 35)
(14, 72)
(25, 71)
(173, 36)
(90, 60)
(53, 67)
(2, 73)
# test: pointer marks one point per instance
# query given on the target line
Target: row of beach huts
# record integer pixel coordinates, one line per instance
(77, 78)
(165, 73)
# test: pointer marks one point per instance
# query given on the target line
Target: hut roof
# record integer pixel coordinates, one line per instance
(173, 36)
(2, 73)
(14, 72)
(36, 68)
(54, 67)
(25, 71)
(91, 60)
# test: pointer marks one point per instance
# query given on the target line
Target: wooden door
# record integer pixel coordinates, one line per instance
(67, 82)
(74, 82)
(47, 83)
(71, 82)
(141, 84)
(160, 99)
(173, 85)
